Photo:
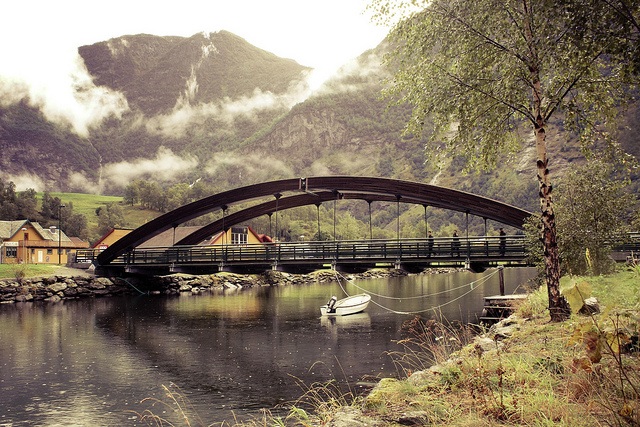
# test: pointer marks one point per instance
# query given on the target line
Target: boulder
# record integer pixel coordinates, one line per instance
(590, 306)
(57, 287)
(349, 416)
(102, 282)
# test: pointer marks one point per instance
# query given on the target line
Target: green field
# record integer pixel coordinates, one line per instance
(87, 204)
(13, 271)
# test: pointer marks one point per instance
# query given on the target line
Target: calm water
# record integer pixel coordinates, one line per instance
(99, 362)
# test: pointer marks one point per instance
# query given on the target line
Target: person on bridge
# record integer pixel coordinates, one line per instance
(503, 242)
(455, 244)
(430, 244)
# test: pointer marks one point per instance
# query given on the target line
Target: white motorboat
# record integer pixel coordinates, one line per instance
(349, 305)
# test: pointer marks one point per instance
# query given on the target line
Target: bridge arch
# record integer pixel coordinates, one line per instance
(294, 192)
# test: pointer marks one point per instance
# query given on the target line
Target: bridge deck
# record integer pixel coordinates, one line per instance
(411, 254)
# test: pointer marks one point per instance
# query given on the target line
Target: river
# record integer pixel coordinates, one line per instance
(229, 353)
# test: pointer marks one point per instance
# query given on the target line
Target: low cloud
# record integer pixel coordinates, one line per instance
(186, 115)
(79, 182)
(62, 89)
(164, 167)
(25, 181)
(248, 167)
(352, 75)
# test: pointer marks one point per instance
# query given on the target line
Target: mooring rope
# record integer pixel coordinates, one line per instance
(478, 281)
(477, 284)
(131, 284)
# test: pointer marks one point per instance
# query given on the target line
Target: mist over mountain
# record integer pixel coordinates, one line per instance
(159, 74)
(213, 107)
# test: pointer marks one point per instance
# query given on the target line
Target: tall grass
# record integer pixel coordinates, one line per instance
(316, 405)
(429, 342)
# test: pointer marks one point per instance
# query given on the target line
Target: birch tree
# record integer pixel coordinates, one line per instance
(476, 72)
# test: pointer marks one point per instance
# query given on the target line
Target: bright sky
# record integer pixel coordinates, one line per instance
(312, 32)
(320, 34)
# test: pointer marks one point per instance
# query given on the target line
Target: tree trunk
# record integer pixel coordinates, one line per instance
(558, 307)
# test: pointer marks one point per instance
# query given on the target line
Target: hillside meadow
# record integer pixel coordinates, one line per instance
(88, 205)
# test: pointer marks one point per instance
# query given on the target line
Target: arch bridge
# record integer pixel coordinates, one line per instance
(295, 192)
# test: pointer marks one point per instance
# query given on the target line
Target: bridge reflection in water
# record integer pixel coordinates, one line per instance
(476, 253)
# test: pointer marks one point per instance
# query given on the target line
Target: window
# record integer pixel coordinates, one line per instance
(239, 235)
(11, 251)
(49, 251)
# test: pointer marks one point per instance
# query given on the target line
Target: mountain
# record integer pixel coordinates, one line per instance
(192, 96)
(216, 109)
(157, 73)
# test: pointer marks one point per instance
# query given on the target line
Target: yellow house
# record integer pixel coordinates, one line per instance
(28, 242)
(238, 235)
(110, 237)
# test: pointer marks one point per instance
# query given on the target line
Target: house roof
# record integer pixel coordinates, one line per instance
(79, 243)
(123, 231)
(166, 238)
(263, 238)
(9, 228)
(51, 233)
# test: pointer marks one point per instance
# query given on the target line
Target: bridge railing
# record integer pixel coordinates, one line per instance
(328, 251)
(474, 247)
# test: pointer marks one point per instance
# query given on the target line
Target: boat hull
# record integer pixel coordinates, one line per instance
(346, 306)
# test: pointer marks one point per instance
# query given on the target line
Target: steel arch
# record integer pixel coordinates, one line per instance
(313, 190)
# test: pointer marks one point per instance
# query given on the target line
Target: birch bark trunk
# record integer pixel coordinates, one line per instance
(558, 307)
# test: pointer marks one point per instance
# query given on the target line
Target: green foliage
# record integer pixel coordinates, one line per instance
(474, 64)
(349, 228)
(152, 195)
(593, 208)
(17, 205)
(621, 289)
(20, 271)
(76, 225)
(476, 71)
(110, 216)
(576, 290)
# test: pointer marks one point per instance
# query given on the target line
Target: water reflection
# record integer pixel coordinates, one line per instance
(91, 362)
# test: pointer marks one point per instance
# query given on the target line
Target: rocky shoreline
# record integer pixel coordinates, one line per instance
(61, 287)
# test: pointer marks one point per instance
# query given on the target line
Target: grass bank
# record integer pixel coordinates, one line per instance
(582, 372)
(15, 271)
